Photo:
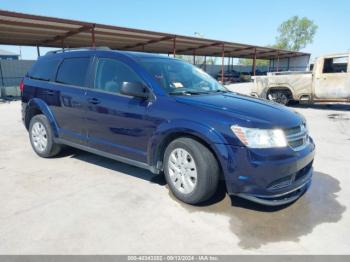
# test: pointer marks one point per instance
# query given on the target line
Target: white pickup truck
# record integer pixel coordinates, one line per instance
(329, 81)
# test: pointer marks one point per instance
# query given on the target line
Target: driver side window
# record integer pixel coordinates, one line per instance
(111, 73)
(335, 65)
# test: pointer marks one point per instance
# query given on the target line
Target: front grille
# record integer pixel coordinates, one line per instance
(292, 131)
(296, 143)
(297, 137)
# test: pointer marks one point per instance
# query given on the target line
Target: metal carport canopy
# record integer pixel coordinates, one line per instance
(32, 30)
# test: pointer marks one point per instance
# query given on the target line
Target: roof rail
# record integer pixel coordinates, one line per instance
(78, 49)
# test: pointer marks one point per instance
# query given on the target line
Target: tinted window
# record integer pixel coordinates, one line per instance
(73, 71)
(111, 73)
(44, 69)
(335, 65)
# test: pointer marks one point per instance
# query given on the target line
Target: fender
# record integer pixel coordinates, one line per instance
(166, 129)
(44, 108)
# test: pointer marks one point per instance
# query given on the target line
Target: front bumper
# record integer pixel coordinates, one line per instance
(268, 176)
(282, 198)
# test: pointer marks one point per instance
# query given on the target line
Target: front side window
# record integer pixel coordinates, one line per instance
(73, 71)
(111, 74)
(178, 77)
(336, 65)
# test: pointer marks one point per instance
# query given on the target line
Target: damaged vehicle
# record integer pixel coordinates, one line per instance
(329, 81)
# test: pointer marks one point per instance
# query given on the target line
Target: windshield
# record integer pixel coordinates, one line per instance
(180, 78)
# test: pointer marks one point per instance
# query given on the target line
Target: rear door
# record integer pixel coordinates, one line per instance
(116, 123)
(70, 90)
(332, 79)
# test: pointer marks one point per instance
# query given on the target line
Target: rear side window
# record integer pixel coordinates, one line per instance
(73, 71)
(44, 69)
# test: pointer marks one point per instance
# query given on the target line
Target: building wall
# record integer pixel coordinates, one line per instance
(300, 63)
(213, 70)
(8, 57)
(11, 73)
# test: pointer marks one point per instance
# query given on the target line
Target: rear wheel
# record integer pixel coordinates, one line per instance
(41, 137)
(279, 96)
(191, 170)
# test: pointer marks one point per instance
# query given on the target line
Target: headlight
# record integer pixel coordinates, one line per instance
(260, 138)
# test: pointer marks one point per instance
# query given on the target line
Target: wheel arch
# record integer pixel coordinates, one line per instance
(205, 136)
(279, 87)
(37, 106)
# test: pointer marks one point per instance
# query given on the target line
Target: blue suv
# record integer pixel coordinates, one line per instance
(170, 117)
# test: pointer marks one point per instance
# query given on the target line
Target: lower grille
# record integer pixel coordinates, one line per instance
(303, 172)
(288, 180)
(280, 183)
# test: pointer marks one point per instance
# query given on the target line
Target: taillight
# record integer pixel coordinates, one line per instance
(21, 86)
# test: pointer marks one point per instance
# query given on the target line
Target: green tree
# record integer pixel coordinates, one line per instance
(295, 33)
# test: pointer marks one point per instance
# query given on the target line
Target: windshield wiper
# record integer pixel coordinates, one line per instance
(187, 92)
(220, 91)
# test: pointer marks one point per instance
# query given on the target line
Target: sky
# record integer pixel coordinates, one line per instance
(249, 22)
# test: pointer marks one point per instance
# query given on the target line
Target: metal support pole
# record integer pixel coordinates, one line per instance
(278, 61)
(194, 57)
(254, 63)
(2, 78)
(62, 45)
(174, 47)
(205, 63)
(288, 64)
(38, 50)
(222, 63)
(93, 40)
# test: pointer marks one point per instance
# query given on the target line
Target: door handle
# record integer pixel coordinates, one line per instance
(94, 101)
(49, 92)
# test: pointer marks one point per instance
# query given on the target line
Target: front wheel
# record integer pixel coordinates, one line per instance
(191, 170)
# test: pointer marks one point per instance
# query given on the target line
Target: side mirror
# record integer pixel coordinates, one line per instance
(135, 89)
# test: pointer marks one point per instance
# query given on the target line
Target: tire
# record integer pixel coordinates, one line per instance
(41, 137)
(197, 158)
(279, 96)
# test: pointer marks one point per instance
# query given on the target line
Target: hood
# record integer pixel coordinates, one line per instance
(246, 111)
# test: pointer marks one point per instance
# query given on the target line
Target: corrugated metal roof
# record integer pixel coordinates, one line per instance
(33, 30)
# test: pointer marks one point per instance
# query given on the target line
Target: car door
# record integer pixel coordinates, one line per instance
(117, 124)
(70, 88)
(333, 78)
